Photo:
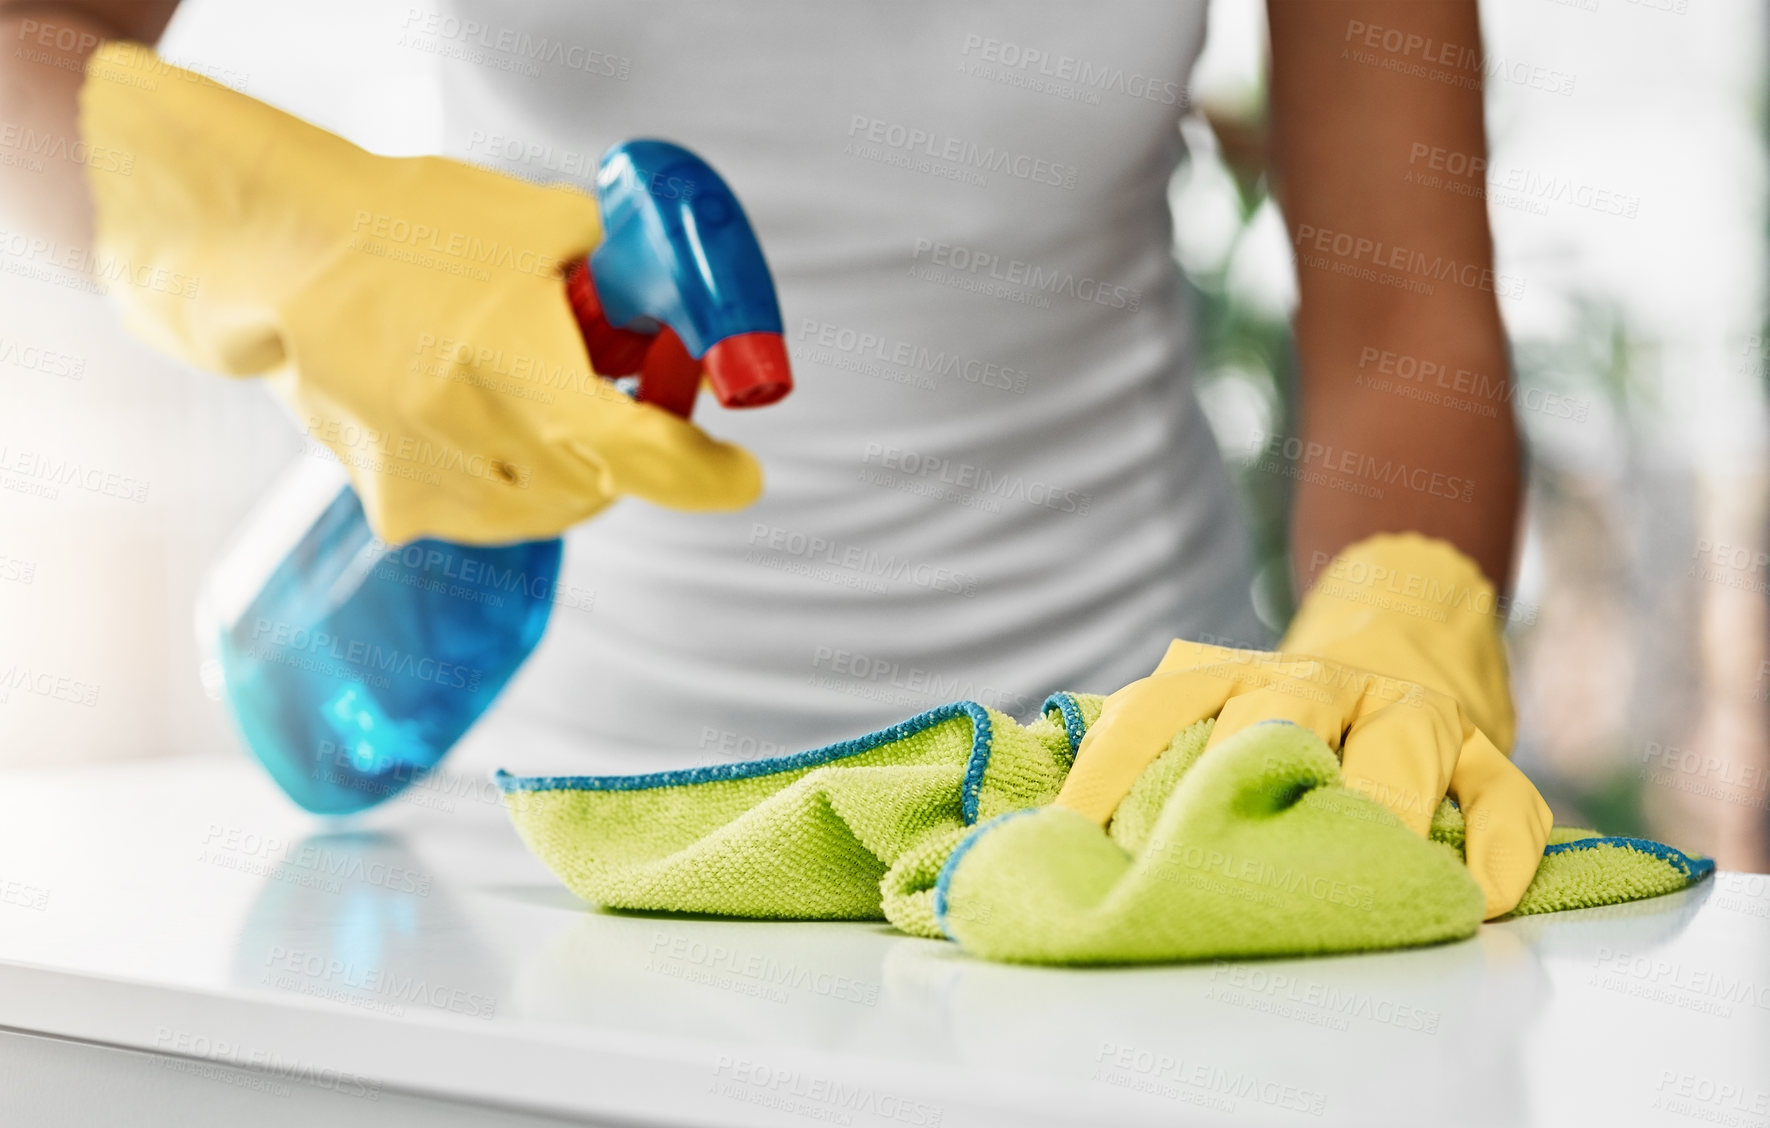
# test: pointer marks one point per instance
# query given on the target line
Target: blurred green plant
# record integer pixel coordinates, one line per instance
(1242, 339)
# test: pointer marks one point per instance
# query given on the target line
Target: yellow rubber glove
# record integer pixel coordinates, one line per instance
(409, 311)
(1413, 607)
(1387, 606)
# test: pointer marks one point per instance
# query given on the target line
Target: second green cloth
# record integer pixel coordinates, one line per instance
(941, 825)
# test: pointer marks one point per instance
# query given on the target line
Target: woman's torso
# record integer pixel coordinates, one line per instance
(992, 479)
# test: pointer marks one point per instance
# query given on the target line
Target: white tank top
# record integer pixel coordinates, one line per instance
(992, 480)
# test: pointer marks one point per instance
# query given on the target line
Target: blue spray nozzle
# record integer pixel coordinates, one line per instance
(677, 249)
(353, 667)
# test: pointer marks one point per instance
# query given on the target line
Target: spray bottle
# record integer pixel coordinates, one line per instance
(350, 666)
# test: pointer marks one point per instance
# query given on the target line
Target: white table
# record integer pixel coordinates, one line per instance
(178, 940)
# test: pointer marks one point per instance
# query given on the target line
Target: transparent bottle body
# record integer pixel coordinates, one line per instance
(351, 667)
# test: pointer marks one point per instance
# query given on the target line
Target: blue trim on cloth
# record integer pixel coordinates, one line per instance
(951, 865)
(983, 735)
(1694, 869)
(982, 732)
(1073, 725)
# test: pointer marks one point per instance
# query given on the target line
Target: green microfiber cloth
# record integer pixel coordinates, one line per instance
(942, 825)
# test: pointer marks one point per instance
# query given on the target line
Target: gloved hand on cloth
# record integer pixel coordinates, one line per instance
(1395, 661)
(409, 312)
(1166, 822)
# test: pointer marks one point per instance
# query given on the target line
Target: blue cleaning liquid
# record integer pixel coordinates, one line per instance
(356, 667)
(359, 665)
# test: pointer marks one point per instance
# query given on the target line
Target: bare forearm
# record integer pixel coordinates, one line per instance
(1409, 409)
(43, 52)
(1406, 421)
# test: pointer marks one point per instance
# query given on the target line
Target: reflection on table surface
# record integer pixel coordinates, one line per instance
(432, 913)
